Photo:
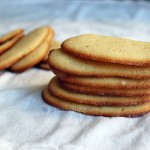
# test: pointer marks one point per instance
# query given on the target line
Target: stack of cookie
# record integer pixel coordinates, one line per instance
(20, 52)
(100, 75)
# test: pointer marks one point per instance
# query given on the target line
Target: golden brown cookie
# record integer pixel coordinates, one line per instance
(60, 60)
(104, 91)
(8, 44)
(26, 45)
(109, 111)
(109, 49)
(31, 59)
(58, 91)
(10, 35)
(103, 82)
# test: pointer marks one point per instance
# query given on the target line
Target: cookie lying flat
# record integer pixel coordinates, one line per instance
(60, 60)
(104, 91)
(25, 46)
(44, 66)
(109, 49)
(103, 82)
(10, 35)
(8, 44)
(32, 59)
(53, 45)
(58, 91)
(109, 111)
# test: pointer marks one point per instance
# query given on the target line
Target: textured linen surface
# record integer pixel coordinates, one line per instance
(26, 122)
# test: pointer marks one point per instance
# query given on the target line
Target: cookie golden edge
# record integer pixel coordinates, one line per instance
(14, 60)
(46, 41)
(132, 111)
(104, 91)
(7, 45)
(34, 62)
(58, 91)
(102, 59)
(78, 72)
(80, 80)
(7, 36)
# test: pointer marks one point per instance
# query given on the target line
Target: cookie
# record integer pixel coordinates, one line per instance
(109, 49)
(103, 82)
(53, 45)
(26, 45)
(10, 35)
(109, 111)
(44, 66)
(8, 44)
(104, 91)
(58, 91)
(60, 60)
(33, 58)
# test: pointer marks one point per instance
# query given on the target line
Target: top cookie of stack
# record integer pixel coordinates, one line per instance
(109, 68)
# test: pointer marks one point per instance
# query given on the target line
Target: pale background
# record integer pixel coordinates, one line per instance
(26, 122)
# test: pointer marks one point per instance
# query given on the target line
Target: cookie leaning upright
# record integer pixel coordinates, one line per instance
(34, 57)
(109, 49)
(10, 35)
(25, 46)
(10, 39)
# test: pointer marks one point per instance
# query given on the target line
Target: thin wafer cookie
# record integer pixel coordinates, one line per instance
(104, 91)
(10, 35)
(103, 82)
(109, 49)
(32, 59)
(60, 60)
(109, 111)
(58, 91)
(8, 44)
(25, 46)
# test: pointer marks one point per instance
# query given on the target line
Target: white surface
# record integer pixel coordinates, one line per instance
(26, 122)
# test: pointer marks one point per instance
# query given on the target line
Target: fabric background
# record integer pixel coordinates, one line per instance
(26, 122)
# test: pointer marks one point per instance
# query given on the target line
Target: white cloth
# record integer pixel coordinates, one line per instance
(26, 122)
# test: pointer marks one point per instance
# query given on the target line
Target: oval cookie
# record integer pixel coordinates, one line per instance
(58, 91)
(109, 111)
(104, 91)
(60, 60)
(8, 44)
(109, 49)
(25, 46)
(34, 57)
(103, 82)
(10, 35)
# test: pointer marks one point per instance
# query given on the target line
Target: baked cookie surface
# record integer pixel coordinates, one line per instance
(103, 82)
(25, 46)
(8, 44)
(109, 49)
(104, 91)
(109, 111)
(58, 91)
(60, 60)
(10, 35)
